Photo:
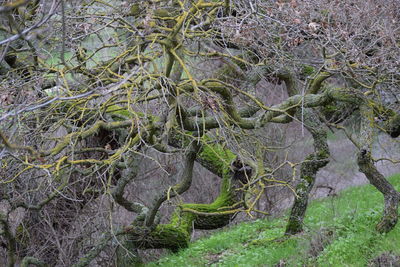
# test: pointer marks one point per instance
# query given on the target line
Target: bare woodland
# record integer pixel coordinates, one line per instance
(111, 110)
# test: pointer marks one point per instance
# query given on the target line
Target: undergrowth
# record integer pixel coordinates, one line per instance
(339, 231)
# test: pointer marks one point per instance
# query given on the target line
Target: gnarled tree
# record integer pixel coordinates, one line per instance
(90, 88)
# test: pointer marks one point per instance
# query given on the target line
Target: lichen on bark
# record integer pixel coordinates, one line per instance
(186, 217)
(308, 171)
(390, 194)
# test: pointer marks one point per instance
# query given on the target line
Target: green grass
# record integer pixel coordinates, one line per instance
(339, 231)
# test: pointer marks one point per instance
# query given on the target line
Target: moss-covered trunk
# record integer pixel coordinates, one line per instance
(308, 171)
(366, 166)
(391, 196)
(176, 234)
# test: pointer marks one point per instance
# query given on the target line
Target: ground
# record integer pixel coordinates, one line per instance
(339, 231)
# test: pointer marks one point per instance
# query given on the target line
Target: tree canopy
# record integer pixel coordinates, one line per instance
(89, 89)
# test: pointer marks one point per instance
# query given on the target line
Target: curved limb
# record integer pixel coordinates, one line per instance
(390, 194)
(177, 233)
(366, 166)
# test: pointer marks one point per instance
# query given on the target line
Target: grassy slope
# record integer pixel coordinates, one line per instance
(339, 232)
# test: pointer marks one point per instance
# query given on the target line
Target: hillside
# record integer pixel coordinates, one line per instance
(339, 232)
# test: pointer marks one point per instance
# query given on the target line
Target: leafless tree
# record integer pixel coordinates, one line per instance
(91, 89)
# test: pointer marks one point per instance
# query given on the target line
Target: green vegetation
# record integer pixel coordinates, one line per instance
(307, 70)
(339, 231)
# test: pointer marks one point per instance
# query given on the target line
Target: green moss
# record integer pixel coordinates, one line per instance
(135, 10)
(182, 220)
(118, 110)
(221, 158)
(223, 202)
(303, 185)
(330, 108)
(307, 70)
(217, 157)
(121, 113)
(176, 234)
(294, 226)
(166, 12)
(322, 154)
(309, 179)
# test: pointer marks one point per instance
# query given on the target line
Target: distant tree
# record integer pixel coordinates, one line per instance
(90, 88)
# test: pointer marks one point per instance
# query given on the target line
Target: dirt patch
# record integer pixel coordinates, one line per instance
(215, 257)
(320, 241)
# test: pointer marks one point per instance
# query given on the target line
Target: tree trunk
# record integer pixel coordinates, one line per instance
(390, 194)
(176, 234)
(308, 171)
(366, 166)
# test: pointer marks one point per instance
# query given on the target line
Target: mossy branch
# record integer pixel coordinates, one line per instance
(176, 234)
(65, 141)
(127, 175)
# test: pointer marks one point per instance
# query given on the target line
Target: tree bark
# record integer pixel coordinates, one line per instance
(176, 234)
(183, 186)
(308, 171)
(390, 194)
(10, 239)
(366, 166)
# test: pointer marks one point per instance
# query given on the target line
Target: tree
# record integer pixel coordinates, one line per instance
(90, 88)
